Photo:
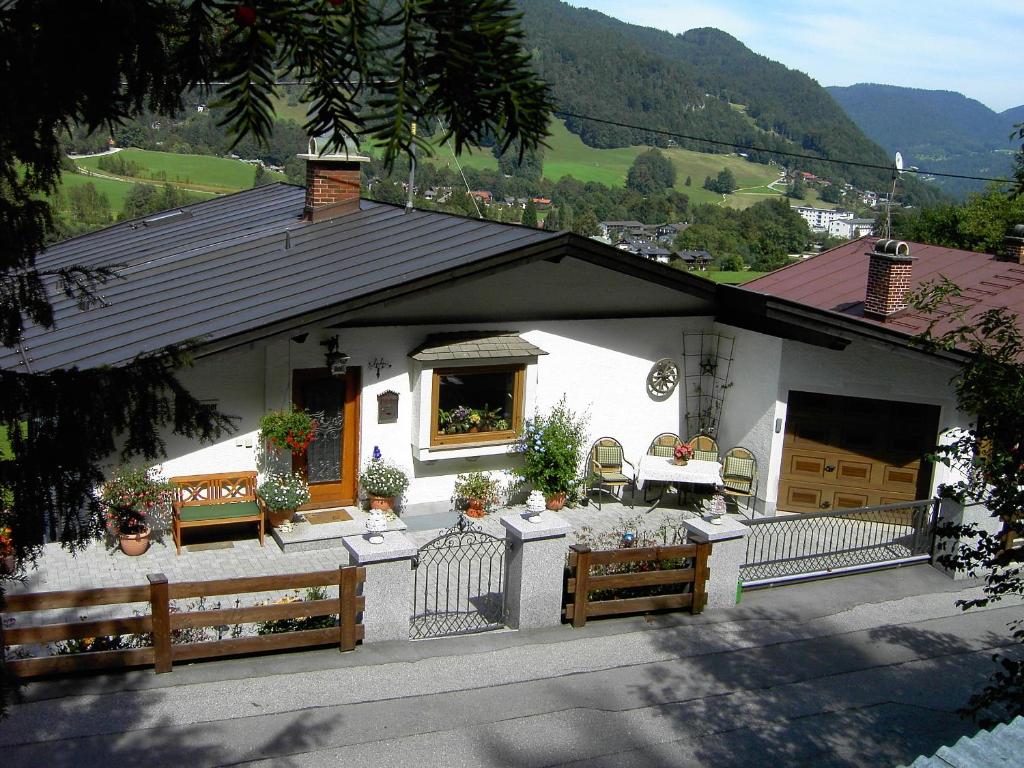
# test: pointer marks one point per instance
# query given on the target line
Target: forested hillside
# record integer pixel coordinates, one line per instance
(703, 83)
(936, 130)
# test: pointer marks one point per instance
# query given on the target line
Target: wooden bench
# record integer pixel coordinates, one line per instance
(216, 499)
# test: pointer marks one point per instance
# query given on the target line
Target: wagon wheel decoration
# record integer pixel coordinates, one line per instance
(663, 378)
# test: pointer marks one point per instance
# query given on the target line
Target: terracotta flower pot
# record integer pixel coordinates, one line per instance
(475, 508)
(385, 503)
(555, 501)
(278, 517)
(134, 544)
(680, 462)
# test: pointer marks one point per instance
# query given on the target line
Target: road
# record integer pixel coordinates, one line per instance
(866, 670)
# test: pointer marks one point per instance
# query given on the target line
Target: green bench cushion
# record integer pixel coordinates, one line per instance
(220, 511)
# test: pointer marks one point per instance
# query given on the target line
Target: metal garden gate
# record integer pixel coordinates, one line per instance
(820, 544)
(459, 585)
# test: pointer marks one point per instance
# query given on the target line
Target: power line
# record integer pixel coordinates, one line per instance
(800, 155)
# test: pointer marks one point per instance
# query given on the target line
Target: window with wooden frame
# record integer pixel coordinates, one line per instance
(479, 404)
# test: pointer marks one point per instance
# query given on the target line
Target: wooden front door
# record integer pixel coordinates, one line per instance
(330, 464)
(848, 452)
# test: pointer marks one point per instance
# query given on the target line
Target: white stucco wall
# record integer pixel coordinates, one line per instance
(751, 406)
(235, 380)
(765, 370)
(600, 365)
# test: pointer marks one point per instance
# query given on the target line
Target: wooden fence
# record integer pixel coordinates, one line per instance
(161, 621)
(579, 607)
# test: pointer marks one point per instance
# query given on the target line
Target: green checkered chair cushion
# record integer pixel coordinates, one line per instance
(738, 474)
(608, 455)
(614, 478)
(705, 455)
(667, 451)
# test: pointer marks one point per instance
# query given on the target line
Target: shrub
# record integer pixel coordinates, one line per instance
(477, 485)
(552, 449)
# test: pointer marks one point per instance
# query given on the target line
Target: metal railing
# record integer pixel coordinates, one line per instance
(817, 544)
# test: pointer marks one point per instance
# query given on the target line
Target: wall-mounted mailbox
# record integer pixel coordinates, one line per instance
(387, 407)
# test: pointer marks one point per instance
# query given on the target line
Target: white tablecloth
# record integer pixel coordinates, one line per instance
(663, 470)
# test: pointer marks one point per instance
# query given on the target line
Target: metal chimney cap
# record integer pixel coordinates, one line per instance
(897, 250)
(318, 150)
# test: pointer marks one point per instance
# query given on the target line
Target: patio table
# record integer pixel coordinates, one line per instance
(661, 469)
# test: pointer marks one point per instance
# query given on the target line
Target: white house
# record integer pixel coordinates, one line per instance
(851, 228)
(821, 219)
(278, 283)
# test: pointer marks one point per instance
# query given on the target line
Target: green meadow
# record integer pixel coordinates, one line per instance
(567, 155)
(732, 278)
(201, 173)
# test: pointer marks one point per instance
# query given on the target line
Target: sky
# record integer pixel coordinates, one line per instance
(973, 47)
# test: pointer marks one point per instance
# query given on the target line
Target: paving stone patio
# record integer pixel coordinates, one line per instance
(234, 551)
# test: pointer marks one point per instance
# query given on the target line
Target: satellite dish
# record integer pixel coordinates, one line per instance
(899, 163)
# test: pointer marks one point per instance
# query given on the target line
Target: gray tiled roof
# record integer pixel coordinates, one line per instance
(1002, 746)
(247, 262)
(474, 345)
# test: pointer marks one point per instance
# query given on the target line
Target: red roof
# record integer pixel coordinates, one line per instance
(837, 280)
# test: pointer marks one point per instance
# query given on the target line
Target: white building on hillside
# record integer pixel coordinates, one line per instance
(820, 219)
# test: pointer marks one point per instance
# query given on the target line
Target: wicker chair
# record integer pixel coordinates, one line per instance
(663, 445)
(739, 476)
(704, 448)
(607, 464)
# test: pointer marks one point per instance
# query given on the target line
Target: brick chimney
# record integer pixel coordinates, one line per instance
(332, 181)
(1013, 244)
(888, 279)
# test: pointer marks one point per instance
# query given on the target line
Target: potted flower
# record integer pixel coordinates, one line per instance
(288, 430)
(136, 500)
(683, 454)
(382, 482)
(478, 490)
(552, 449)
(8, 562)
(282, 494)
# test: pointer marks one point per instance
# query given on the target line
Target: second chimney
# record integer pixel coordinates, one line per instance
(888, 278)
(332, 181)
(1013, 244)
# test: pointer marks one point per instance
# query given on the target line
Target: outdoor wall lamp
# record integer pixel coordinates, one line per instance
(336, 362)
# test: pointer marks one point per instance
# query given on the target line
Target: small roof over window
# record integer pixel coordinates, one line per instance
(474, 345)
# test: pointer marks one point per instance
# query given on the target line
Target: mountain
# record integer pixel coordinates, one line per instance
(703, 83)
(935, 130)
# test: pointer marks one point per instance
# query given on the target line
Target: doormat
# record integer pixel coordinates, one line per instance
(210, 545)
(327, 516)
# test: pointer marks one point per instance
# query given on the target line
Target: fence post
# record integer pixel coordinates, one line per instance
(347, 608)
(160, 610)
(700, 576)
(388, 588)
(579, 601)
(722, 570)
(534, 570)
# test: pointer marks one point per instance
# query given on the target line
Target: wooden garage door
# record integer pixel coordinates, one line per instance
(847, 452)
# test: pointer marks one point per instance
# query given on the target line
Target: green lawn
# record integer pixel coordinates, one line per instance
(195, 172)
(116, 191)
(732, 278)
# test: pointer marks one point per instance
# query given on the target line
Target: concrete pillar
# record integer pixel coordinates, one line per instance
(955, 513)
(534, 570)
(389, 583)
(728, 552)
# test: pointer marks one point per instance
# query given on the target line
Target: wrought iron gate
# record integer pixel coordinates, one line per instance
(818, 544)
(459, 583)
